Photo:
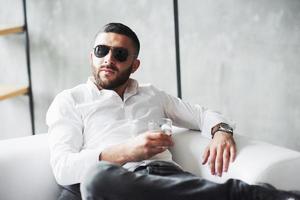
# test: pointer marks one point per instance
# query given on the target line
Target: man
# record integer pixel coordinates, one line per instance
(99, 139)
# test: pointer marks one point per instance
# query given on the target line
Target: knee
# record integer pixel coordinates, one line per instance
(98, 179)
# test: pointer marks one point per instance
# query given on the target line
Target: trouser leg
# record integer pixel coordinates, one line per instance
(70, 192)
(111, 182)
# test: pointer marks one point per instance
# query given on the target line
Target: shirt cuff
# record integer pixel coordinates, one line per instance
(212, 119)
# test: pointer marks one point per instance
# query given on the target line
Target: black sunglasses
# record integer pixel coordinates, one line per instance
(119, 53)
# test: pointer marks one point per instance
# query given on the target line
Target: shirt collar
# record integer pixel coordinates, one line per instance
(130, 90)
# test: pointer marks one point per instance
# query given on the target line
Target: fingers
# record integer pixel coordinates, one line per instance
(151, 143)
(219, 160)
(156, 135)
(212, 161)
(219, 154)
(149, 152)
(156, 150)
(160, 143)
(226, 157)
(205, 155)
(232, 153)
(155, 139)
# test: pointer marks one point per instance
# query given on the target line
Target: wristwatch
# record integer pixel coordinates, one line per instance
(221, 127)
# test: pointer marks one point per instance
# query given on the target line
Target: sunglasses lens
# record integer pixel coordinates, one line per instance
(120, 54)
(101, 50)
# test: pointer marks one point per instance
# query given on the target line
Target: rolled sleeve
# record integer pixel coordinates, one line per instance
(191, 116)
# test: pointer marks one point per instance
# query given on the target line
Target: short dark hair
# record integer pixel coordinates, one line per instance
(123, 30)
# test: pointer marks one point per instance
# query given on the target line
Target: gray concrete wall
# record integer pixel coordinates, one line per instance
(61, 38)
(14, 113)
(239, 57)
(243, 58)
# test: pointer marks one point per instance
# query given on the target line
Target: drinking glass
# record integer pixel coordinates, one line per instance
(162, 124)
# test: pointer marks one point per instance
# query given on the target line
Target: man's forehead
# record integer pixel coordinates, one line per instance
(112, 39)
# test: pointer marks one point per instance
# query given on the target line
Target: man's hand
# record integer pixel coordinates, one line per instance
(219, 153)
(149, 144)
(142, 147)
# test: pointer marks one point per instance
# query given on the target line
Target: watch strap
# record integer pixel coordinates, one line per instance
(221, 127)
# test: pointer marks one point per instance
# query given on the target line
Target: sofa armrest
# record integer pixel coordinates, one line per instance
(25, 171)
(256, 161)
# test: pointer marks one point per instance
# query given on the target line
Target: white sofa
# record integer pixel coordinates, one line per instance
(25, 173)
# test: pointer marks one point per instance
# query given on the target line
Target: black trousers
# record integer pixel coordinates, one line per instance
(161, 180)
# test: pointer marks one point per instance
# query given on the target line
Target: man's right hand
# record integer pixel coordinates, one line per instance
(142, 147)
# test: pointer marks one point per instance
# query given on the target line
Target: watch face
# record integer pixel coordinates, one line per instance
(226, 127)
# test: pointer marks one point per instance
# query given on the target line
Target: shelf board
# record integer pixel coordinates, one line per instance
(12, 30)
(8, 91)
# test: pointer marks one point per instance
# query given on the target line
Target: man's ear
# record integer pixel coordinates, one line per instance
(135, 65)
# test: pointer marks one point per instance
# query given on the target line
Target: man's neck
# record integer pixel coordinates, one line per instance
(121, 89)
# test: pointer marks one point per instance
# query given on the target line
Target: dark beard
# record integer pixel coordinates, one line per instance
(120, 79)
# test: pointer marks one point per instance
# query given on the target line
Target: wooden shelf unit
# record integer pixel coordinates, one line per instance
(12, 30)
(10, 91)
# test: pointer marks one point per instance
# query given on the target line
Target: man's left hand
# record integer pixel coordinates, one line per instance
(219, 153)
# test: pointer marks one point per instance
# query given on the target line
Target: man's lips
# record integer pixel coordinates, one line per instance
(107, 70)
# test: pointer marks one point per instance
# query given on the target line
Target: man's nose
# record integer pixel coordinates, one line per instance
(108, 59)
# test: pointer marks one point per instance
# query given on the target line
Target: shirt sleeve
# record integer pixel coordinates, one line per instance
(68, 160)
(191, 116)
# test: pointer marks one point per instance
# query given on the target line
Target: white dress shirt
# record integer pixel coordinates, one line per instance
(84, 120)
